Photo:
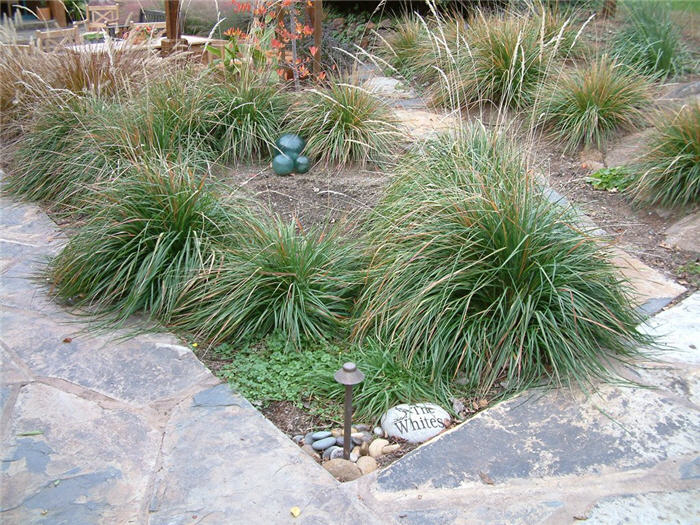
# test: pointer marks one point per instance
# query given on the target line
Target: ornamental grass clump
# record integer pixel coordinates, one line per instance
(246, 117)
(501, 61)
(169, 119)
(668, 173)
(65, 150)
(401, 48)
(587, 105)
(273, 278)
(650, 40)
(344, 123)
(145, 235)
(475, 274)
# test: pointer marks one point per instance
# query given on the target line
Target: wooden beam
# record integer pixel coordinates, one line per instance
(318, 34)
(172, 38)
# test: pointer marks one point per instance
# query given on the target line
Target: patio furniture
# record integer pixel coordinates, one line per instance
(100, 16)
(150, 29)
(55, 38)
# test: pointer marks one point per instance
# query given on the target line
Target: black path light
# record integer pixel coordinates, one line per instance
(348, 375)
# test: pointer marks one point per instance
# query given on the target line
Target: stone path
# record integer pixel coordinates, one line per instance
(96, 428)
(101, 430)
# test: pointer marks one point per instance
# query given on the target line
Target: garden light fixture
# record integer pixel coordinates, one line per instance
(348, 375)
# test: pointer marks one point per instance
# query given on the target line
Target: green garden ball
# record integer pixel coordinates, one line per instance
(283, 164)
(302, 164)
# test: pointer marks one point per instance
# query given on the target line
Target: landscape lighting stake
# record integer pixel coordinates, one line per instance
(348, 375)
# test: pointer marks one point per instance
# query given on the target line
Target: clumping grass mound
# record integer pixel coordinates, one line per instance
(344, 123)
(650, 40)
(64, 151)
(669, 170)
(144, 237)
(246, 117)
(30, 79)
(502, 62)
(587, 105)
(402, 47)
(475, 273)
(274, 278)
(169, 119)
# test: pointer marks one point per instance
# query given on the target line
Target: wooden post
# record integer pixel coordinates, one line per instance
(58, 12)
(318, 34)
(172, 38)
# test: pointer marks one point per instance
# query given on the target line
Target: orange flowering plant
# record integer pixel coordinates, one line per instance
(276, 28)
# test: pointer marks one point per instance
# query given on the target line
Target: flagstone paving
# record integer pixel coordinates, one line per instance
(101, 428)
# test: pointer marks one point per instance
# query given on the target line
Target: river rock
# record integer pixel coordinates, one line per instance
(342, 469)
(415, 423)
(367, 464)
(323, 444)
(362, 428)
(340, 441)
(379, 431)
(298, 439)
(321, 434)
(311, 452)
(336, 432)
(354, 456)
(376, 447)
(308, 439)
(364, 449)
(390, 449)
(327, 453)
(337, 452)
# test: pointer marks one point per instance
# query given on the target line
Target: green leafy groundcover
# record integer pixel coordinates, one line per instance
(268, 371)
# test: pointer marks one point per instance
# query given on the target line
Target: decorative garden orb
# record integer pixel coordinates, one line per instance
(290, 143)
(302, 164)
(283, 164)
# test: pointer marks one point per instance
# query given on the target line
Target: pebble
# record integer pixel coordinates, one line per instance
(342, 469)
(308, 439)
(321, 434)
(379, 431)
(336, 432)
(364, 449)
(340, 441)
(311, 452)
(323, 444)
(354, 456)
(337, 453)
(298, 439)
(375, 447)
(362, 428)
(367, 464)
(327, 454)
(390, 449)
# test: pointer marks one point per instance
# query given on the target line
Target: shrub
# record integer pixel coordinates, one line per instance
(587, 105)
(650, 40)
(474, 271)
(144, 237)
(669, 170)
(246, 117)
(273, 279)
(344, 123)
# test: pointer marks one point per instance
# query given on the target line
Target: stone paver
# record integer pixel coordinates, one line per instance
(105, 428)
